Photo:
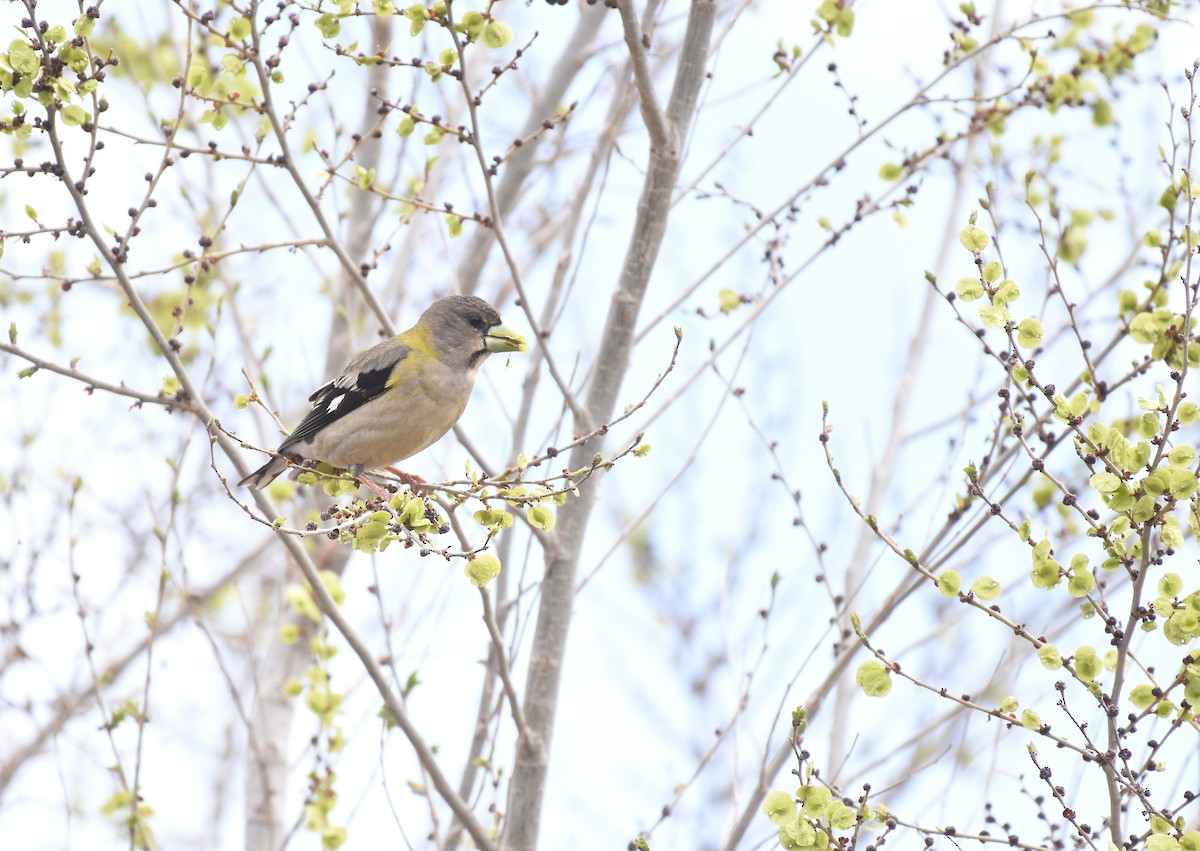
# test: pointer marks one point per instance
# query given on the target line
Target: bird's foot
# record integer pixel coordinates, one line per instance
(361, 477)
(415, 483)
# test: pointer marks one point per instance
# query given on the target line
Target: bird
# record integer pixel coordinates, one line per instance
(399, 396)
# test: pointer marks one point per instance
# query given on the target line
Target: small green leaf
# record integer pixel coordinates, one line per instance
(1087, 664)
(994, 316)
(1007, 292)
(1182, 456)
(1030, 720)
(329, 25)
(496, 34)
(22, 58)
(873, 678)
(968, 289)
(482, 569)
(815, 799)
(840, 816)
(986, 588)
(472, 24)
(1142, 697)
(1161, 842)
(891, 172)
(1029, 333)
(729, 300)
(493, 518)
(779, 807)
(417, 14)
(32, 213)
(1144, 328)
(1183, 483)
(949, 583)
(1105, 482)
(74, 115)
(120, 800)
(1081, 583)
(1144, 509)
(239, 29)
(1170, 585)
(541, 517)
(364, 177)
(974, 239)
(1049, 656)
(197, 74)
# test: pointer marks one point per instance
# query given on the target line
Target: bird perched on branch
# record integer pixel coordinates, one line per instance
(399, 396)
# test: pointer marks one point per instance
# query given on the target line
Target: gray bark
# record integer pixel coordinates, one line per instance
(612, 359)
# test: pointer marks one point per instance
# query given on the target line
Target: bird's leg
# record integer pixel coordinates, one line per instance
(359, 473)
(414, 482)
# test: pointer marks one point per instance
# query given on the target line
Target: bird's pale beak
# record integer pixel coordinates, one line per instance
(501, 338)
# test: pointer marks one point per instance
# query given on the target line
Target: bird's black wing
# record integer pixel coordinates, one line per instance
(364, 378)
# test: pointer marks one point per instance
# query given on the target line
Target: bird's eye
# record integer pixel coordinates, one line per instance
(477, 322)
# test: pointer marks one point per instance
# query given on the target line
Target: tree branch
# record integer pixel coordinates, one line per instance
(612, 359)
(294, 546)
(94, 383)
(518, 168)
(663, 133)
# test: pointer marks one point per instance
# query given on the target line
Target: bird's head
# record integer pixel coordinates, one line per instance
(465, 329)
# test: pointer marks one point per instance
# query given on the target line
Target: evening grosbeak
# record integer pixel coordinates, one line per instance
(399, 396)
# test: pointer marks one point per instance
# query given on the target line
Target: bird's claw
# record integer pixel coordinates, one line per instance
(414, 482)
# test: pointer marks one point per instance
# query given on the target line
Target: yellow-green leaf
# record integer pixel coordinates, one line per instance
(1029, 333)
(482, 569)
(497, 34)
(74, 114)
(239, 29)
(873, 678)
(973, 238)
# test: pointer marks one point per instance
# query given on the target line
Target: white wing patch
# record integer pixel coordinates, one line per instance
(332, 404)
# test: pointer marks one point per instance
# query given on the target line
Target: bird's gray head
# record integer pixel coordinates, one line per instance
(465, 329)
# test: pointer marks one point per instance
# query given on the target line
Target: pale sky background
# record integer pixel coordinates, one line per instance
(631, 719)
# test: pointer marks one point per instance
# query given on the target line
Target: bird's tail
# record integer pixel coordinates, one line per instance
(265, 474)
